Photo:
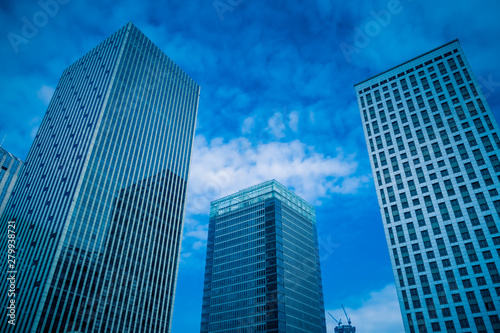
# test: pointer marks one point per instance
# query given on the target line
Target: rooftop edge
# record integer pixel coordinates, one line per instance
(412, 59)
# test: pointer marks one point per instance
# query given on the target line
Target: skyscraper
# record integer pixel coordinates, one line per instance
(434, 150)
(10, 167)
(98, 208)
(262, 270)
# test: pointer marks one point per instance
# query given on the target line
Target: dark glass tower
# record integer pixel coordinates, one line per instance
(434, 149)
(99, 204)
(262, 269)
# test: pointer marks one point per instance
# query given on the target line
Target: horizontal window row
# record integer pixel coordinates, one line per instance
(430, 68)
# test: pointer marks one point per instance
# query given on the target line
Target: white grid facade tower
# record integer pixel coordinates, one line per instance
(434, 150)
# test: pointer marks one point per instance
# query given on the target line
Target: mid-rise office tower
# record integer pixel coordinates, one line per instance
(434, 150)
(10, 167)
(262, 270)
(99, 204)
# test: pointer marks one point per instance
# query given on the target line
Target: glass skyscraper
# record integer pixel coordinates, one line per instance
(434, 150)
(99, 205)
(10, 167)
(262, 270)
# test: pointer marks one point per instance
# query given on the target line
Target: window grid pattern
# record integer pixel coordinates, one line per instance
(100, 202)
(437, 183)
(262, 270)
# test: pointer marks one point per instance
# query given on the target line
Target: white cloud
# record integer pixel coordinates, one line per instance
(200, 232)
(33, 132)
(276, 126)
(312, 117)
(45, 94)
(235, 96)
(248, 125)
(35, 125)
(379, 312)
(198, 245)
(293, 122)
(220, 168)
(351, 184)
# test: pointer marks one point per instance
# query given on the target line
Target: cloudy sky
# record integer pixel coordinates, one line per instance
(277, 101)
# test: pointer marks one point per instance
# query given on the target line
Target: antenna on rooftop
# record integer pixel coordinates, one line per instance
(3, 140)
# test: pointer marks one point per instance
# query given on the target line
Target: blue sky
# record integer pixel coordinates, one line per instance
(277, 101)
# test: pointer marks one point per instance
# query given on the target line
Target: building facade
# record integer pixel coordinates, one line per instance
(434, 150)
(99, 205)
(262, 270)
(10, 167)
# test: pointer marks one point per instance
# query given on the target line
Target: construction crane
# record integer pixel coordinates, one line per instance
(348, 319)
(343, 328)
(339, 322)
